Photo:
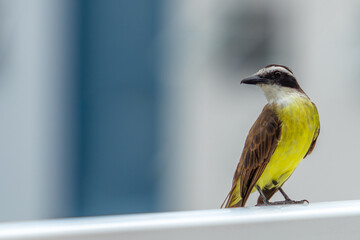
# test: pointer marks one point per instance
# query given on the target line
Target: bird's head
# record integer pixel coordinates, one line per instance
(276, 81)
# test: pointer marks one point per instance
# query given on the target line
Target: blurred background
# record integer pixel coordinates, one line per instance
(119, 106)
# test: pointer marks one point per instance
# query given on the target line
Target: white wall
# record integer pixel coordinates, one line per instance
(32, 91)
(209, 114)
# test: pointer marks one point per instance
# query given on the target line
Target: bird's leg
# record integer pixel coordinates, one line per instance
(266, 202)
(284, 194)
(289, 200)
(285, 202)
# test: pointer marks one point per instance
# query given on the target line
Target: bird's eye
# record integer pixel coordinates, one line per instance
(277, 74)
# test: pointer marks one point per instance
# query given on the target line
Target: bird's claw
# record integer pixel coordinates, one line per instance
(286, 202)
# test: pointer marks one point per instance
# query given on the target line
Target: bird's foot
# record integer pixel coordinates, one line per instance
(285, 202)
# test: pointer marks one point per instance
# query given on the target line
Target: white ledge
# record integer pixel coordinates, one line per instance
(330, 220)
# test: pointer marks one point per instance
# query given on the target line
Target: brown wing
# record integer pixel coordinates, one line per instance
(312, 146)
(260, 144)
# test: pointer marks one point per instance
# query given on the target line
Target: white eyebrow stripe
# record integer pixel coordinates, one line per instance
(266, 70)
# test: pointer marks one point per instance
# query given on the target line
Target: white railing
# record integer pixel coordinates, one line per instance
(330, 220)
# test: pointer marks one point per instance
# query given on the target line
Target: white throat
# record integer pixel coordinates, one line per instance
(279, 94)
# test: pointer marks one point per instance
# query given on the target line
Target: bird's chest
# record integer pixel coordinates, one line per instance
(299, 123)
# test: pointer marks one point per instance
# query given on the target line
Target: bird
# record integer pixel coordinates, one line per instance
(285, 132)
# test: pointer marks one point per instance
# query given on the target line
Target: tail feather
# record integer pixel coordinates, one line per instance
(233, 199)
(226, 201)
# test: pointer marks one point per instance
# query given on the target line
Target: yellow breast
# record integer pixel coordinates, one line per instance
(300, 122)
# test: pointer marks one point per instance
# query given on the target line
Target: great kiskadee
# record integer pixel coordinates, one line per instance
(285, 132)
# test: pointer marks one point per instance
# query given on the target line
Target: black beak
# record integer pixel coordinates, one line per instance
(255, 80)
